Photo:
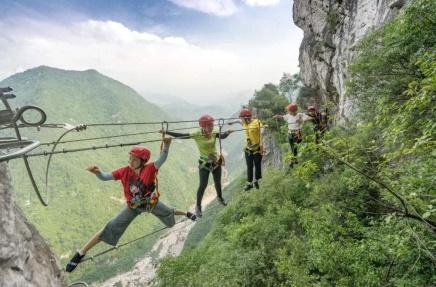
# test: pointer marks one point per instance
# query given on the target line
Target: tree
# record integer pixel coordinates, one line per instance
(289, 85)
(268, 101)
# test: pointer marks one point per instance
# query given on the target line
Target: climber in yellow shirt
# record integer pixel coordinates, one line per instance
(253, 147)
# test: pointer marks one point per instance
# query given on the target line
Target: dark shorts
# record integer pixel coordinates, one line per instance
(115, 228)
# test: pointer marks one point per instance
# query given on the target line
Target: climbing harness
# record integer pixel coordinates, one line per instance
(259, 148)
(220, 160)
(296, 135)
(209, 164)
(152, 198)
(149, 200)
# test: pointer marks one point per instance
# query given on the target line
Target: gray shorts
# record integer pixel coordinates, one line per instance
(115, 228)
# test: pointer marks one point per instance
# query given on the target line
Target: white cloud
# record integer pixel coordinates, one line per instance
(144, 61)
(216, 7)
(261, 2)
(220, 7)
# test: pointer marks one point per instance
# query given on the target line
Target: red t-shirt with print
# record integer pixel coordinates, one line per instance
(136, 187)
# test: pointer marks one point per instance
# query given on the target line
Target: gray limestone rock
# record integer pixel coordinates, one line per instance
(25, 258)
(331, 30)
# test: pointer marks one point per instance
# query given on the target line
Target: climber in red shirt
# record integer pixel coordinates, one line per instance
(141, 195)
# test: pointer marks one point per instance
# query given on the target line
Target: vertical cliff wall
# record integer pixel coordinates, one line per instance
(25, 258)
(331, 31)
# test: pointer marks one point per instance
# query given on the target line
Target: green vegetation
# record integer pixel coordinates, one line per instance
(297, 233)
(203, 226)
(80, 204)
(289, 84)
(268, 101)
(325, 222)
(332, 18)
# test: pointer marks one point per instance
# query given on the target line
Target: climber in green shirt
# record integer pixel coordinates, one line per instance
(210, 161)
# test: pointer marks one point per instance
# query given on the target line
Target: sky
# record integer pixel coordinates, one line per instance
(203, 51)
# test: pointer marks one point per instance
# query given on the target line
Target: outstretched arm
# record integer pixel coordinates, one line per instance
(278, 117)
(163, 154)
(307, 118)
(178, 135)
(235, 122)
(223, 135)
(100, 174)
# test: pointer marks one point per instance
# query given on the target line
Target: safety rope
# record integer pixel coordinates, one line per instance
(45, 153)
(112, 136)
(145, 123)
(53, 151)
(26, 162)
(405, 212)
(78, 283)
(55, 126)
(143, 236)
(60, 126)
(164, 128)
(261, 150)
(220, 125)
(96, 138)
(47, 169)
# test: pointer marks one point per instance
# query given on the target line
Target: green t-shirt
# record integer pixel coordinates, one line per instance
(206, 146)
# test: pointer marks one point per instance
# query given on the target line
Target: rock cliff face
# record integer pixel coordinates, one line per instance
(331, 30)
(273, 151)
(25, 258)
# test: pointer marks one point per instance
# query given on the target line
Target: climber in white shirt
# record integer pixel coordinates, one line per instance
(295, 122)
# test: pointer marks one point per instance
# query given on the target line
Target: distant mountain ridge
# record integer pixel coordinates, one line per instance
(182, 109)
(79, 203)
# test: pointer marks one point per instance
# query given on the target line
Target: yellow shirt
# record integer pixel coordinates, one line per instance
(252, 134)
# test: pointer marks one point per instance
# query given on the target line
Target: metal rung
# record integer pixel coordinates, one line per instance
(5, 90)
(25, 146)
(7, 96)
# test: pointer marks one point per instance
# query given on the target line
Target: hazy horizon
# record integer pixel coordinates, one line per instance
(200, 51)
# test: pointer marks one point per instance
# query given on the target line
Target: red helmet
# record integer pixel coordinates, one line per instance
(311, 108)
(205, 120)
(245, 113)
(141, 152)
(292, 107)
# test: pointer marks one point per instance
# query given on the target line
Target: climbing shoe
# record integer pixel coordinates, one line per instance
(198, 212)
(74, 262)
(221, 201)
(248, 186)
(191, 216)
(256, 185)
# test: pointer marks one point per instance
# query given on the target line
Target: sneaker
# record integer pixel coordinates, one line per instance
(248, 186)
(191, 216)
(74, 262)
(198, 212)
(256, 184)
(221, 200)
